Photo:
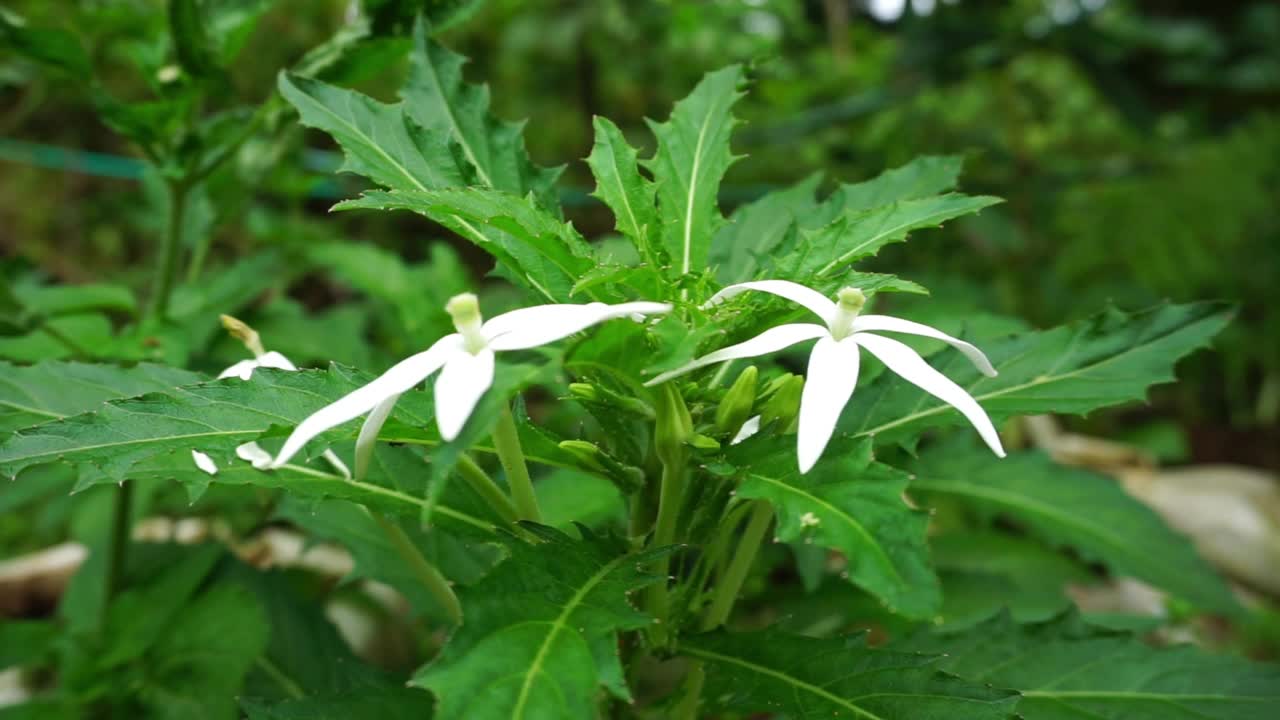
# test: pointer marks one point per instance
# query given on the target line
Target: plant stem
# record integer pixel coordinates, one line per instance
(428, 575)
(486, 488)
(687, 708)
(506, 440)
(170, 250)
(730, 585)
(118, 543)
(664, 533)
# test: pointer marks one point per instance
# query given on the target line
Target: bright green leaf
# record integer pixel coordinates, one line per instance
(620, 185)
(51, 390)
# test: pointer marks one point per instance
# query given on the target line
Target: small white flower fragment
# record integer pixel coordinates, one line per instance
(749, 428)
(244, 370)
(204, 462)
(834, 360)
(465, 360)
(255, 455)
(809, 520)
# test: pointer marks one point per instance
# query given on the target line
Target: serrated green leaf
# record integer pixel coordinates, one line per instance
(534, 629)
(1108, 359)
(437, 98)
(811, 678)
(823, 253)
(922, 177)
(620, 185)
(51, 390)
(1076, 508)
(852, 504)
(538, 250)
(742, 247)
(380, 141)
(692, 156)
(1066, 670)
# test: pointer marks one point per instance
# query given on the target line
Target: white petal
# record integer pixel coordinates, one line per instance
(828, 385)
(749, 428)
(771, 340)
(253, 452)
(400, 378)
(204, 462)
(243, 370)
(337, 464)
(274, 359)
(818, 303)
(893, 324)
(530, 327)
(458, 389)
(906, 362)
(368, 438)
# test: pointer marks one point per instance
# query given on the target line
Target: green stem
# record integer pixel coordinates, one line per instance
(486, 488)
(170, 250)
(687, 708)
(428, 575)
(118, 543)
(664, 533)
(506, 439)
(730, 585)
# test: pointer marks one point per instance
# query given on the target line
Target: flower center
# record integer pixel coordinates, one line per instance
(465, 311)
(849, 302)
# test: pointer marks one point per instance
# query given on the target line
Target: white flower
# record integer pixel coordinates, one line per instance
(204, 462)
(244, 370)
(466, 362)
(833, 363)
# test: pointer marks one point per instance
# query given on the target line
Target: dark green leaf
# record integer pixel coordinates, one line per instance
(539, 636)
(1078, 509)
(811, 678)
(743, 247)
(52, 390)
(620, 185)
(436, 96)
(56, 48)
(384, 703)
(852, 504)
(1067, 670)
(922, 177)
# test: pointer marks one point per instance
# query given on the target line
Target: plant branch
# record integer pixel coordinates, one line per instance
(486, 488)
(170, 250)
(117, 544)
(427, 574)
(727, 589)
(506, 439)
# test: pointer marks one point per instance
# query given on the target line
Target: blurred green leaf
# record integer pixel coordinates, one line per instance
(1065, 668)
(55, 48)
(1075, 508)
(52, 390)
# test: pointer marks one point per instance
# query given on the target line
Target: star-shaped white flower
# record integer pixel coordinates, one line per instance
(466, 363)
(833, 363)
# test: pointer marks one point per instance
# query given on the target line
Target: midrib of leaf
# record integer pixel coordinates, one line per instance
(795, 682)
(626, 202)
(377, 490)
(368, 140)
(843, 258)
(557, 626)
(693, 194)
(31, 410)
(862, 531)
(457, 131)
(1035, 382)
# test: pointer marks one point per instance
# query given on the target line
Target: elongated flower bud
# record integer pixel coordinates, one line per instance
(783, 406)
(735, 406)
(241, 331)
(673, 426)
(628, 479)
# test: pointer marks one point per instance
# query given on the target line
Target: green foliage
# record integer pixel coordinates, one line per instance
(541, 631)
(854, 505)
(1109, 359)
(53, 390)
(1065, 668)
(836, 677)
(1090, 513)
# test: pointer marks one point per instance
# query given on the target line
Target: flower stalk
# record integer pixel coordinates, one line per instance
(506, 440)
(427, 573)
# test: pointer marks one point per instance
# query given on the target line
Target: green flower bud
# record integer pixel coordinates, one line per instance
(584, 391)
(628, 479)
(702, 442)
(735, 406)
(673, 426)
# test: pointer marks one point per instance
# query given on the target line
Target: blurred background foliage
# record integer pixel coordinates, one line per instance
(1136, 144)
